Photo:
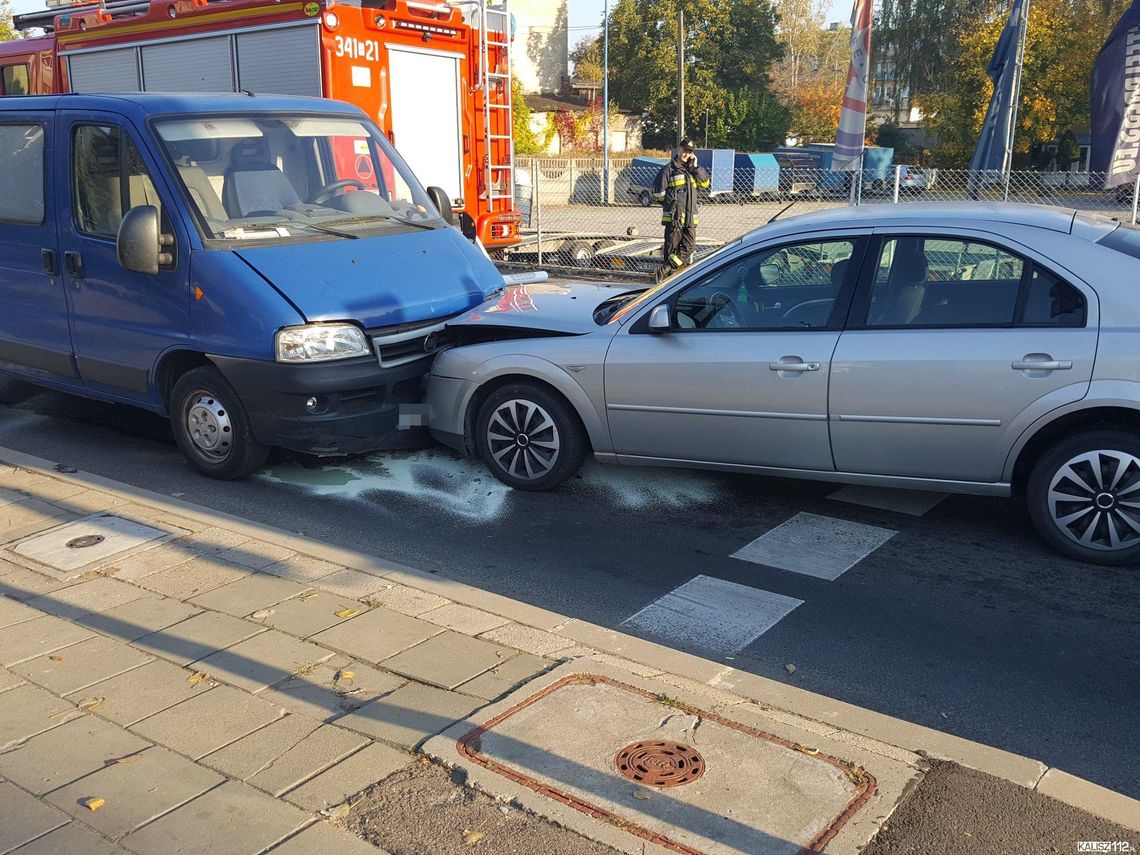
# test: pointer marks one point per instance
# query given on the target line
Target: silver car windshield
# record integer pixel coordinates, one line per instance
(650, 294)
(259, 176)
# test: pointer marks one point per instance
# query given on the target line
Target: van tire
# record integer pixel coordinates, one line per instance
(211, 427)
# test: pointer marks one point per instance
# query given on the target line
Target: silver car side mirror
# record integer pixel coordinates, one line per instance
(659, 320)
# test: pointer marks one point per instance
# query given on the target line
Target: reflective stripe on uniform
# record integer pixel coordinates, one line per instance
(660, 197)
(703, 184)
(676, 261)
(666, 219)
(677, 181)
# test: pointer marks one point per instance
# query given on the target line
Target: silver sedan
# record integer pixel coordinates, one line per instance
(978, 349)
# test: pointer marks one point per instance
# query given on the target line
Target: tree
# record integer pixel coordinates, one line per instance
(8, 30)
(1055, 76)
(587, 60)
(730, 47)
(800, 31)
(526, 141)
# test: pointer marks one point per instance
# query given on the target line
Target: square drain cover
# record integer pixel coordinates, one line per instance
(76, 547)
(685, 779)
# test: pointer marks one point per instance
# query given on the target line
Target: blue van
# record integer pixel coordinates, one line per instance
(266, 271)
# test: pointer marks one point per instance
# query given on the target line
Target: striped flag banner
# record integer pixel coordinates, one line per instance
(853, 116)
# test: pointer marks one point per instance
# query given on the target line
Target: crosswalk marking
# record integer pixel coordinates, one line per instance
(912, 502)
(815, 545)
(712, 614)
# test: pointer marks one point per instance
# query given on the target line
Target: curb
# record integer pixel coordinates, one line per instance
(860, 727)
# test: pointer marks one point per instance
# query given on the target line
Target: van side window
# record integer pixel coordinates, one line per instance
(14, 80)
(110, 178)
(22, 174)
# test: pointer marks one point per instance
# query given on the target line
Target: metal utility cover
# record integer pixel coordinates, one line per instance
(93, 541)
(758, 793)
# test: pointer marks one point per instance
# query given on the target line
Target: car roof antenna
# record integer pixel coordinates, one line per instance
(777, 215)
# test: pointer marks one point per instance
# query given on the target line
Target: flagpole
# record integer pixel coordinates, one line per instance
(1015, 101)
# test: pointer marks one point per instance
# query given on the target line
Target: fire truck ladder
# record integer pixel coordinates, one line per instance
(495, 22)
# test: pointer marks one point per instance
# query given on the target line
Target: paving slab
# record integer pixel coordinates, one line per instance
(410, 714)
(249, 594)
(139, 565)
(377, 635)
(70, 550)
(141, 693)
(9, 679)
(67, 753)
(253, 753)
(256, 554)
(25, 818)
(506, 676)
(448, 659)
(197, 637)
(354, 584)
(464, 619)
(135, 793)
(193, 577)
(13, 612)
(36, 637)
(407, 601)
(97, 595)
(348, 777)
(234, 819)
(205, 723)
(33, 485)
(321, 749)
(267, 658)
(19, 583)
(133, 620)
(323, 695)
(90, 501)
(27, 710)
(302, 568)
(310, 613)
(71, 839)
(20, 519)
(81, 665)
(212, 540)
(322, 838)
(527, 638)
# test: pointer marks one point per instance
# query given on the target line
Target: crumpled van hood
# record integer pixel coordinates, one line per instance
(380, 280)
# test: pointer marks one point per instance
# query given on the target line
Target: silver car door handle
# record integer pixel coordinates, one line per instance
(793, 366)
(1042, 365)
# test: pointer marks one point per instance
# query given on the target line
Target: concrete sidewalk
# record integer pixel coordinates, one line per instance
(173, 679)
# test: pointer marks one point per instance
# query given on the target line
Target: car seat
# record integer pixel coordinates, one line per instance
(253, 184)
(903, 299)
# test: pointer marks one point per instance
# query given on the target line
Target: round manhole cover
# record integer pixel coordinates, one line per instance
(85, 541)
(656, 763)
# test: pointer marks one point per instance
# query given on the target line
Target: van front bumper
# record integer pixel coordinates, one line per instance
(358, 403)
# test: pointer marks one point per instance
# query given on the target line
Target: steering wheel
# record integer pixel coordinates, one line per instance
(724, 313)
(336, 188)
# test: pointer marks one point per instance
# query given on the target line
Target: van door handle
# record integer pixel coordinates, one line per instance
(1042, 363)
(73, 264)
(47, 259)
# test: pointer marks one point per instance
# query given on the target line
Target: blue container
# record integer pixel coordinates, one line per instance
(755, 174)
(719, 163)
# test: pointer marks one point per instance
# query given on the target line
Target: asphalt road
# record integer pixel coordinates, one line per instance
(962, 621)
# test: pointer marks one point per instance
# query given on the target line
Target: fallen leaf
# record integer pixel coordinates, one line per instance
(123, 761)
(338, 812)
(347, 613)
(263, 613)
(89, 704)
(93, 803)
(56, 658)
(306, 597)
(790, 668)
(347, 676)
(197, 677)
(472, 837)
(642, 795)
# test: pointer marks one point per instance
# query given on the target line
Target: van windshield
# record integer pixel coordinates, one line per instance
(261, 176)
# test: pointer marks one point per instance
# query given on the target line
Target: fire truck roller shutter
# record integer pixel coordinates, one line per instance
(194, 65)
(104, 71)
(285, 61)
(425, 115)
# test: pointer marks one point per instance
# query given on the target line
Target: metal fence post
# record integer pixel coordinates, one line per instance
(898, 177)
(536, 204)
(1135, 197)
(1005, 194)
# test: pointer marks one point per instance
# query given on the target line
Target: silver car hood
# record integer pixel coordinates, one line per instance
(566, 308)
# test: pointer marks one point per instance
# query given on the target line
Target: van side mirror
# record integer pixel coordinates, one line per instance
(442, 204)
(659, 320)
(139, 243)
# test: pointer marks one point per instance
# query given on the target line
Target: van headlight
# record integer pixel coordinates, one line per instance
(320, 343)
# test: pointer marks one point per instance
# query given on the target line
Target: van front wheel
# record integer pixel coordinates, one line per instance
(211, 426)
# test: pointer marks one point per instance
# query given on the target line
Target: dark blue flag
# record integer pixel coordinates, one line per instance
(1003, 71)
(1115, 90)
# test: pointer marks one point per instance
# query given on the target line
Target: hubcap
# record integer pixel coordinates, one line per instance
(523, 439)
(1094, 499)
(209, 427)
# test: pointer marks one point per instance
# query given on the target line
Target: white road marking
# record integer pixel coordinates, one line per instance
(712, 614)
(912, 502)
(815, 546)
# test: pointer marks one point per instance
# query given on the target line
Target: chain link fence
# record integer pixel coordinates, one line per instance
(576, 217)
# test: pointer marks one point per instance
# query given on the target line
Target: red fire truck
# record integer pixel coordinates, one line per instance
(435, 76)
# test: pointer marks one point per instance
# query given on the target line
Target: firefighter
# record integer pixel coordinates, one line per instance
(676, 190)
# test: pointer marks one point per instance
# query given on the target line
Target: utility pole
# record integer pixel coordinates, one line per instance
(680, 75)
(606, 107)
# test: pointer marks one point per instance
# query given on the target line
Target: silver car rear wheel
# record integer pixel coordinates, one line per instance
(1083, 496)
(523, 439)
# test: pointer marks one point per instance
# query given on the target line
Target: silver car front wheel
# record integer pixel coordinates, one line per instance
(523, 439)
(1084, 497)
